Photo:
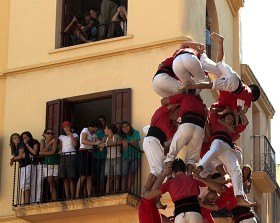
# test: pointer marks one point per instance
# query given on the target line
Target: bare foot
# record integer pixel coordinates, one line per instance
(245, 203)
(218, 38)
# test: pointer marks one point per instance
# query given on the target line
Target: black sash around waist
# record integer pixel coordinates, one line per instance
(184, 52)
(241, 213)
(189, 204)
(194, 118)
(158, 133)
(239, 89)
(166, 69)
(224, 137)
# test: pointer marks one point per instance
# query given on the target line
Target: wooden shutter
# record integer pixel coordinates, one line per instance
(53, 115)
(121, 106)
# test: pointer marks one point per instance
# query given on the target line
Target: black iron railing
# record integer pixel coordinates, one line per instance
(92, 35)
(264, 156)
(79, 174)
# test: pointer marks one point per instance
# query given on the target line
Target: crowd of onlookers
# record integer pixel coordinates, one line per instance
(102, 159)
(93, 25)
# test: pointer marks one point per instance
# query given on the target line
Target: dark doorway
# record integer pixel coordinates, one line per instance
(86, 111)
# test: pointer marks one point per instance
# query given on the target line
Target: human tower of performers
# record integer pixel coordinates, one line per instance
(207, 135)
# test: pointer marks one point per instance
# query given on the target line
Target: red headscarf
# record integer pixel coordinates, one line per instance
(66, 123)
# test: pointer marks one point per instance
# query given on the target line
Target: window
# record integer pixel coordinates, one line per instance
(80, 8)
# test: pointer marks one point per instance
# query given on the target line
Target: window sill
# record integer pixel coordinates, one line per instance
(86, 45)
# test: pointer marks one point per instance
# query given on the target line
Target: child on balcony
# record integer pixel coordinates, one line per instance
(113, 161)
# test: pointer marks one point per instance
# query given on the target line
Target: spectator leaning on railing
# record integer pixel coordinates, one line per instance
(33, 146)
(113, 160)
(88, 139)
(48, 148)
(130, 154)
(21, 155)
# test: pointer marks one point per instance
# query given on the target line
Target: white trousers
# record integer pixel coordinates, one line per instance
(187, 67)
(165, 85)
(187, 134)
(36, 183)
(250, 220)
(189, 217)
(25, 173)
(226, 78)
(223, 152)
(209, 65)
(239, 156)
(155, 154)
(210, 169)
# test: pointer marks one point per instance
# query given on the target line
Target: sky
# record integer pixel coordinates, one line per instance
(260, 50)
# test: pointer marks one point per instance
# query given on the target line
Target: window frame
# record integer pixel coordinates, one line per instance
(61, 109)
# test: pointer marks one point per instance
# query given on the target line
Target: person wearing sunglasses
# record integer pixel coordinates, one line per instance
(48, 148)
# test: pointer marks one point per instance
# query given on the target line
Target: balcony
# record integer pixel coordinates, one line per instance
(46, 203)
(263, 163)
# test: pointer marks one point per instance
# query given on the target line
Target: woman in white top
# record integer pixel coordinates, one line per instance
(113, 159)
(67, 167)
(88, 139)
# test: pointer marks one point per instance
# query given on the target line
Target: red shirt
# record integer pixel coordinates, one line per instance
(229, 99)
(206, 215)
(226, 98)
(167, 62)
(148, 212)
(227, 199)
(167, 67)
(188, 103)
(161, 119)
(181, 186)
(204, 148)
(245, 95)
(216, 126)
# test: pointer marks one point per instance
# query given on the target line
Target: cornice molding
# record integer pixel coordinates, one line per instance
(94, 56)
(248, 77)
(235, 5)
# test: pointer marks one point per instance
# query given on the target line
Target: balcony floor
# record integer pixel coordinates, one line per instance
(79, 207)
